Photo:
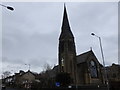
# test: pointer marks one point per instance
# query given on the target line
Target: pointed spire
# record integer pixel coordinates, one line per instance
(65, 23)
(66, 31)
(64, 4)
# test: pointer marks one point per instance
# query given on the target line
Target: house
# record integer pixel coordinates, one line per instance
(21, 79)
(113, 72)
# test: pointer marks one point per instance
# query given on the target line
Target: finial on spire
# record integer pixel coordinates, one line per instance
(90, 48)
(64, 4)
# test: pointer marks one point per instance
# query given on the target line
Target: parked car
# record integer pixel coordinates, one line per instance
(3, 87)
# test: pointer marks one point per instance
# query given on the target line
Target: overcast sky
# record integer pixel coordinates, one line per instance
(30, 33)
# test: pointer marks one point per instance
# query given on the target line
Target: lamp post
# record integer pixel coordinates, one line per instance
(8, 7)
(105, 73)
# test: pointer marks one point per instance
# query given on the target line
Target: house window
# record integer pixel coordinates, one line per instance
(93, 69)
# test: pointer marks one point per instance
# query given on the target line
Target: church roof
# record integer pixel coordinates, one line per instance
(66, 31)
(84, 56)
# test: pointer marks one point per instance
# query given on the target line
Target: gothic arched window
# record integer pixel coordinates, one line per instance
(93, 69)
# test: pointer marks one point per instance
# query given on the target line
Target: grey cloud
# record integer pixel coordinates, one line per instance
(31, 32)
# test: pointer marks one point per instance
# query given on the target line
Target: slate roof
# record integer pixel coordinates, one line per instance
(84, 56)
(33, 73)
(66, 31)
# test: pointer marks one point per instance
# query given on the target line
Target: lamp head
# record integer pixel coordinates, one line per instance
(92, 34)
(10, 8)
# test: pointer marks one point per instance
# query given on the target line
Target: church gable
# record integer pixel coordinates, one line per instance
(88, 67)
(87, 57)
(83, 57)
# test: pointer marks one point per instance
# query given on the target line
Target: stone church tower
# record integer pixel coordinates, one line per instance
(67, 50)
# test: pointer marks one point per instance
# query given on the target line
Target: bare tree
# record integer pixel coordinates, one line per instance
(46, 79)
(47, 67)
(6, 74)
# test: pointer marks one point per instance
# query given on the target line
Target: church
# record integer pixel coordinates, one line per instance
(85, 68)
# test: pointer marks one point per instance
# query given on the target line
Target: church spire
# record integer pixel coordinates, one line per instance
(67, 50)
(66, 31)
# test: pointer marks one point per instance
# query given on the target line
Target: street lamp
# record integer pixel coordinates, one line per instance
(8, 7)
(100, 47)
(106, 79)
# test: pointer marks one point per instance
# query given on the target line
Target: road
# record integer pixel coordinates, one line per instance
(12, 89)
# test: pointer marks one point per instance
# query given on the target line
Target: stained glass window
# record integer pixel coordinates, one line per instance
(93, 69)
